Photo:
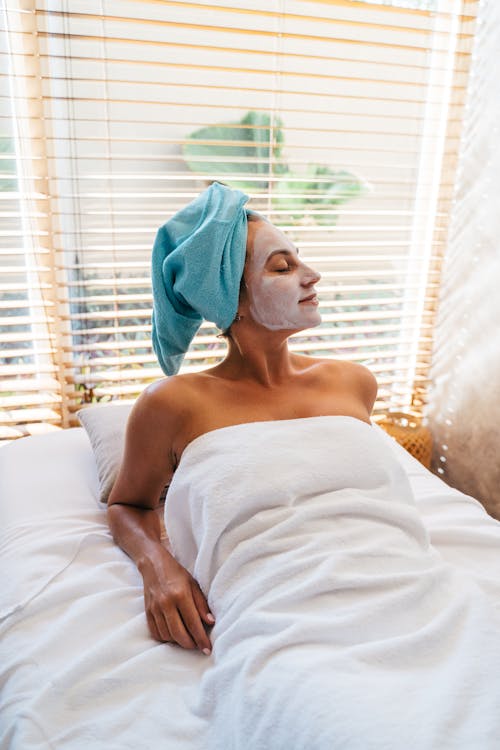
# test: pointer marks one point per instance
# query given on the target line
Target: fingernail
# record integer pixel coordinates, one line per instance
(207, 651)
(210, 617)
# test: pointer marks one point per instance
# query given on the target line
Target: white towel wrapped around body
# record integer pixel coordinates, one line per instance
(337, 623)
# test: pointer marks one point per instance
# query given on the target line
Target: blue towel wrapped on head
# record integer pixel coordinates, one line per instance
(197, 265)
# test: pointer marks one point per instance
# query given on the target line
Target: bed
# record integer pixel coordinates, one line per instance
(78, 667)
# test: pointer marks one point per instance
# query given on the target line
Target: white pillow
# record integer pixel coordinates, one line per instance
(105, 425)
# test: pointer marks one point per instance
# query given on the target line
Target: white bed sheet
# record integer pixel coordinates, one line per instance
(78, 668)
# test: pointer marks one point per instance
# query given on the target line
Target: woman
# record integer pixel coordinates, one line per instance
(337, 624)
(259, 380)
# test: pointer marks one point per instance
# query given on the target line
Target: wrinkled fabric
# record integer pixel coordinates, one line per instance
(337, 623)
(197, 265)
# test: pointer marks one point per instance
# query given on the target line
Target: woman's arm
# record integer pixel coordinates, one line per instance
(175, 605)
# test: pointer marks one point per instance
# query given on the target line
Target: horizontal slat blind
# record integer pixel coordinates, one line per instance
(30, 388)
(340, 119)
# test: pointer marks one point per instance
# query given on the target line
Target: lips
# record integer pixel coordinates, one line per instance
(310, 298)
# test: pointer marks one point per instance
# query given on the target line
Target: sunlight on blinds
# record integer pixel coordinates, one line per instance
(341, 120)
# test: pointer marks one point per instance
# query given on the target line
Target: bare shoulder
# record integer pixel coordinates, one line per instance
(165, 408)
(149, 458)
(362, 379)
(354, 376)
(338, 366)
(166, 397)
(356, 371)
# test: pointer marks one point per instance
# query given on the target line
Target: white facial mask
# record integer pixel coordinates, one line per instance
(276, 285)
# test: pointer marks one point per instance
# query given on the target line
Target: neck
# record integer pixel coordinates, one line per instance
(266, 362)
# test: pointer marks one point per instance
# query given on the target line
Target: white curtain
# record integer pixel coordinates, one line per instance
(464, 405)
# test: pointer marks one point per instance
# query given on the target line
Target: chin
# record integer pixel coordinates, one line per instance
(317, 320)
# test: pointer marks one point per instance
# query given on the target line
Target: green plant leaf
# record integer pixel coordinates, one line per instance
(248, 146)
(319, 188)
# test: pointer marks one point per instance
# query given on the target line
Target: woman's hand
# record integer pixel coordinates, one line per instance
(176, 608)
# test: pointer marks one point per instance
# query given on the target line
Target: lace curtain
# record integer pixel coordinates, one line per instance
(464, 405)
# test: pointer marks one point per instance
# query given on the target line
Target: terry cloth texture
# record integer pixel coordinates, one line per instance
(197, 265)
(337, 623)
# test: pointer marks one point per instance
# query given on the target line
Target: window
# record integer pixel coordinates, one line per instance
(30, 391)
(341, 120)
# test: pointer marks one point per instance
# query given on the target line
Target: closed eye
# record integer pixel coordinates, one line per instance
(284, 269)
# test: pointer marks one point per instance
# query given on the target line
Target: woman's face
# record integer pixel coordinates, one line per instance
(279, 286)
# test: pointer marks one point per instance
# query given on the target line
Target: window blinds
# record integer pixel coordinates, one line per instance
(341, 120)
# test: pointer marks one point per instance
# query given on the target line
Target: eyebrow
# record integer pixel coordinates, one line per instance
(283, 251)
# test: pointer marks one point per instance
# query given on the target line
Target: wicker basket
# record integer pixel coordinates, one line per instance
(409, 431)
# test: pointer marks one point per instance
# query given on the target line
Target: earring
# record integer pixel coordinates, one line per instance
(238, 318)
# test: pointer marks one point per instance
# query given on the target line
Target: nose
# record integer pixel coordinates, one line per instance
(310, 276)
